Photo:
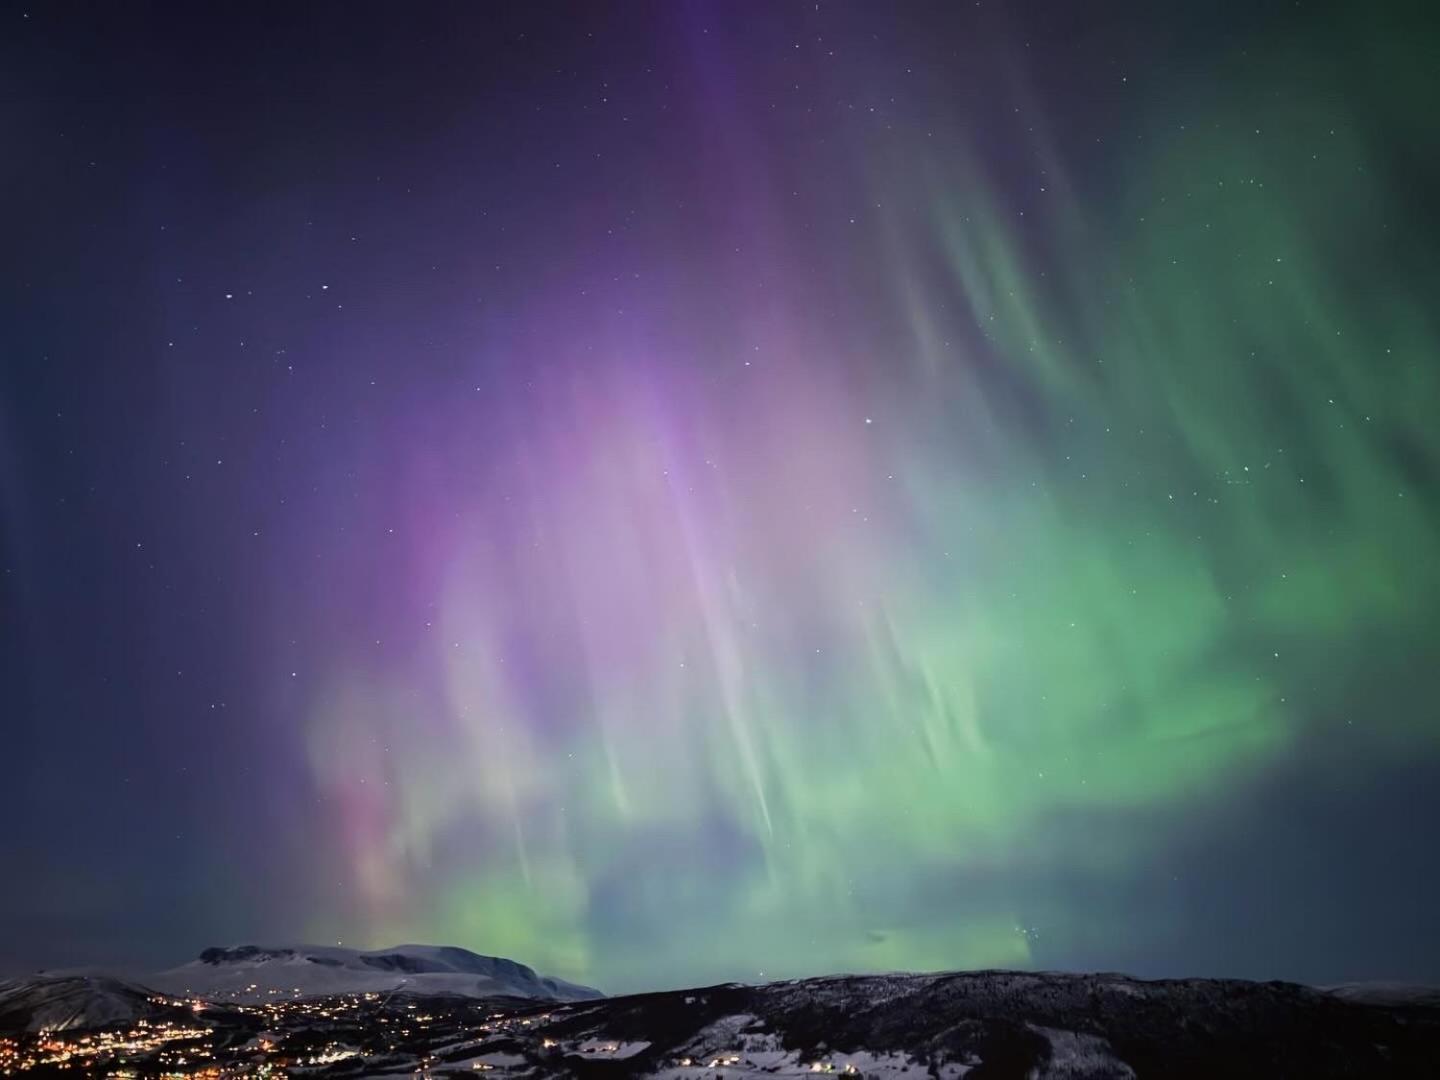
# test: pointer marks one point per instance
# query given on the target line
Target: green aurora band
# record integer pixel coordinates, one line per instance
(1144, 503)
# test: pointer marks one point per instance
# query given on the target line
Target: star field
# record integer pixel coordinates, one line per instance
(683, 492)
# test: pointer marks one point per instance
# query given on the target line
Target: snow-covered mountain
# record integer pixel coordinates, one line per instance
(74, 1002)
(1388, 993)
(255, 973)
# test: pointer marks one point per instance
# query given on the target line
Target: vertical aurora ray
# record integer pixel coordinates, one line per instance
(759, 646)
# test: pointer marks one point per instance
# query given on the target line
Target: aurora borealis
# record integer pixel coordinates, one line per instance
(681, 492)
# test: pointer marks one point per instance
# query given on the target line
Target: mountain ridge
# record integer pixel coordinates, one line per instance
(251, 972)
(995, 1025)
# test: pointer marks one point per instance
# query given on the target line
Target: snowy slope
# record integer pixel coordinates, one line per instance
(254, 973)
(73, 1002)
(1387, 993)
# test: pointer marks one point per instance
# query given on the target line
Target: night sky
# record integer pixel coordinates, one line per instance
(677, 492)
